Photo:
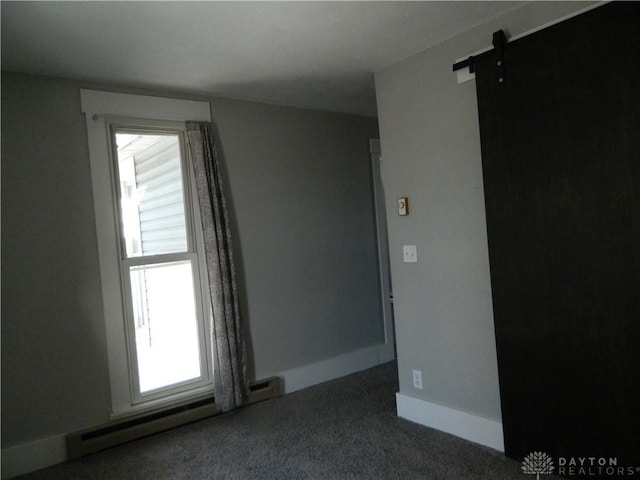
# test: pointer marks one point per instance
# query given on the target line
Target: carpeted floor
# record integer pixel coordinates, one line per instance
(343, 429)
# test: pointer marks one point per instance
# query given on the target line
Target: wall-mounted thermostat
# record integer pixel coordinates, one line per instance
(403, 206)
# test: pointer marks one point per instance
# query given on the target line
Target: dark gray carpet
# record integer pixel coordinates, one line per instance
(343, 429)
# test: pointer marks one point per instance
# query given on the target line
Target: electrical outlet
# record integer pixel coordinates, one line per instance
(409, 253)
(417, 379)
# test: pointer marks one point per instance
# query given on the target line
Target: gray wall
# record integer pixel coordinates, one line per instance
(431, 153)
(54, 363)
(300, 189)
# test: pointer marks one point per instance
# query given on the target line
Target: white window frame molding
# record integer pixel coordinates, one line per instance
(99, 106)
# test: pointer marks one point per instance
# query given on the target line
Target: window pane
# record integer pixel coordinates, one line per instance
(165, 324)
(152, 200)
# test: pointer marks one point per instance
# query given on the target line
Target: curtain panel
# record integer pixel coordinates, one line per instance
(230, 380)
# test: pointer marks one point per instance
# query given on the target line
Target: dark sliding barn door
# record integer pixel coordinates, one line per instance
(561, 162)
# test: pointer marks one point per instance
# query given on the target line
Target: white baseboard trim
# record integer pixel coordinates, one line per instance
(386, 353)
(336, 367)
(32, 456)
(461, 424)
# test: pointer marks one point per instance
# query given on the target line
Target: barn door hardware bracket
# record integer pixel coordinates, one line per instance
(499, 43)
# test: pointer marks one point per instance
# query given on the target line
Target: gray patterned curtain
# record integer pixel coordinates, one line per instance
(230, 381)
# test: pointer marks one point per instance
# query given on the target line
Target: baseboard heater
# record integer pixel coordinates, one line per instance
(118, 432)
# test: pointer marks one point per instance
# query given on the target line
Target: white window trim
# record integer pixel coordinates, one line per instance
(97, 106)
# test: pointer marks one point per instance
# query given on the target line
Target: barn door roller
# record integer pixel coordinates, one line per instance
(499, 43)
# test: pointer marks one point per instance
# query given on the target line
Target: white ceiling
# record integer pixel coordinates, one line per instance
(319, 55)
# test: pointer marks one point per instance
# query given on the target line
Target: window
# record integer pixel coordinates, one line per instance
(150, 247)
(159, 261)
